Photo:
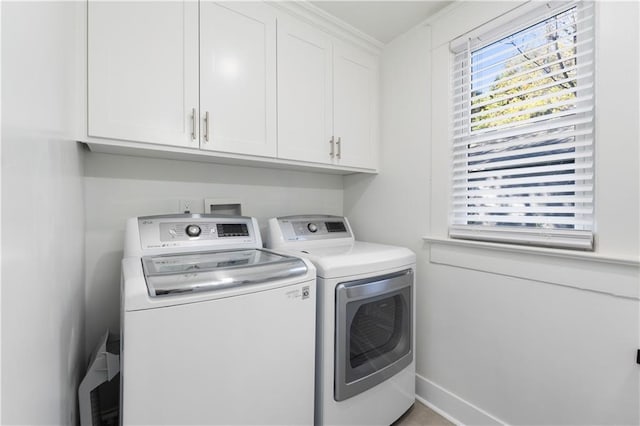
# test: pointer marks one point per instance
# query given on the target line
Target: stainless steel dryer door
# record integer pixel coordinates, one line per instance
(373, 331)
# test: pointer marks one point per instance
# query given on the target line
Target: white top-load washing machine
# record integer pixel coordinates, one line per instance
(365, 370)
(215, 330)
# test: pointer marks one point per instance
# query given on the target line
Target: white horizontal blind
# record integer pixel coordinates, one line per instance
(523, 110)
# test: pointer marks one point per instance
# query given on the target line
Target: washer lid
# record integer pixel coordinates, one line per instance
(215, 270)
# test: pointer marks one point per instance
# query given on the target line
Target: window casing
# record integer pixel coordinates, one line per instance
(523, 126)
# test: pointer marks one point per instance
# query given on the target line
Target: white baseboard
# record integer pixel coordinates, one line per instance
(438, 410)
(451, 406)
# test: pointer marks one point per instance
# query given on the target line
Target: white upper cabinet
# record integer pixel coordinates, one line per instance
(355, 106)
(248, 81)
(327, 99)
(238, 77)
(143, 71)
(305, 92)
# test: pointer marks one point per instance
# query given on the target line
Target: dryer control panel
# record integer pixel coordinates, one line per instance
(318, 227)
(309, 228)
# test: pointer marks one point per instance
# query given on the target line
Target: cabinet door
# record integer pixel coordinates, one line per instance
(238, 77)
(356, 106)
(143, 71)
(305, 119)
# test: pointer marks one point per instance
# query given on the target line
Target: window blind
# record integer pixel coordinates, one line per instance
(523, 125)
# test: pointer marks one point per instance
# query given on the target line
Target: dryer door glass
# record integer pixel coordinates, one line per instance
(376, 330)
(373, 331)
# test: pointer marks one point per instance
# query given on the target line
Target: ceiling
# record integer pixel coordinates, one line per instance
(382, 20)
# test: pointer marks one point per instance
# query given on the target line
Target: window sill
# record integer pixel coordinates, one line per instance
(583, 270)
(541, 251)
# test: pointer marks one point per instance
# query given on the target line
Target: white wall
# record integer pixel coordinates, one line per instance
(42, 216)
(511, 336)
(119, 187)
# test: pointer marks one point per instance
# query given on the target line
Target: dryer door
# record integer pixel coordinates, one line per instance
(373, 331)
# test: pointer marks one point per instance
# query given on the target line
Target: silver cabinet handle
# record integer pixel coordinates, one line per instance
(193, 124)
(339, 144)
(206, 126)
(332, 152)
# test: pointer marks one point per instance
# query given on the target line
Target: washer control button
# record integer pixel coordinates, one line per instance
(312, 227)
(193, 230)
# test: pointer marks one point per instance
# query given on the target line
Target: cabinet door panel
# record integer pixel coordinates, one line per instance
(142, 71)
(238, 77)
(356, 106)
(304, 93)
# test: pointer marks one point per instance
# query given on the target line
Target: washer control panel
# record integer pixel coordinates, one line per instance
(181, 231)
(196, 230)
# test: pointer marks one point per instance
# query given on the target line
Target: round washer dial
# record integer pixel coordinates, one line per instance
(193, 230)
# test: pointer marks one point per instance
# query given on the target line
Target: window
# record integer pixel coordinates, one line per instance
(523, 106)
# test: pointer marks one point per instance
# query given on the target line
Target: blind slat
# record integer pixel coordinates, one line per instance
(480, 74)
(525, 104)
(529, 209)
(496, 96)
(461, 66)
(583, 24)
(495, 135)
(532, 219)
(518, 141)
(462, 175)
(526, 180)
(470, 200)
(574, 239)
(588, 107)
(534, 110)
(548, 190)
(505, 159)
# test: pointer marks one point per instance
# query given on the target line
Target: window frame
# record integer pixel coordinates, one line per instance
(580, 237)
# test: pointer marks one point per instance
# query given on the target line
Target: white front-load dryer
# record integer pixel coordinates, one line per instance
(365, 368)
(215, 329)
